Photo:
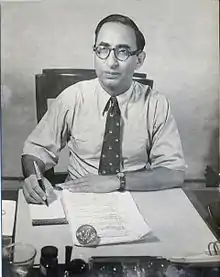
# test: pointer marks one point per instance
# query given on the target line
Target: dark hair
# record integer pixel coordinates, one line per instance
(126, 21)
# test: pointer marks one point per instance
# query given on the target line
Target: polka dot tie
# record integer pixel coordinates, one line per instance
(111, 148)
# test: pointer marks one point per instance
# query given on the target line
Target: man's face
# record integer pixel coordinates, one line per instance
(116, 76)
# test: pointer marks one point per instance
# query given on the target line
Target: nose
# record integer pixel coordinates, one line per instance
(112, 60)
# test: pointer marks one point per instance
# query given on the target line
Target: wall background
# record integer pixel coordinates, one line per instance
(182, 58)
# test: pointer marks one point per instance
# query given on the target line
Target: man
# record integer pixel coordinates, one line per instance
(120, 133)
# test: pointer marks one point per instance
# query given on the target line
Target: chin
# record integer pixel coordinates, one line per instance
(110, 83)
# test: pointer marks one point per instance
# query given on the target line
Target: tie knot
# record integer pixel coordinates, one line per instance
(112, 105)
(113, 100)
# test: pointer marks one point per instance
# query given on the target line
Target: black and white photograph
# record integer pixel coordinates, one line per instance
(110, 138)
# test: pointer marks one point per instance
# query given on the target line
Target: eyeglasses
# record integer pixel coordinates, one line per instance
(121, 53)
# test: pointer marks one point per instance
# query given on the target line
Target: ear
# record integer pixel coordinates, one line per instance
(140, 59)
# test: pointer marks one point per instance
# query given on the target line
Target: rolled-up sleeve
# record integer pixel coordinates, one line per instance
(166, 148)
(51, 133)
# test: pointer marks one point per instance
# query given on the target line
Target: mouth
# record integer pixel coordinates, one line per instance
(111, 74)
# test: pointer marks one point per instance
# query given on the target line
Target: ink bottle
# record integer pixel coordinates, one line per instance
(49, 261)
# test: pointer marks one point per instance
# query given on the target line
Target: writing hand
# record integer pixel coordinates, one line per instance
(93, 183)
(32, 191)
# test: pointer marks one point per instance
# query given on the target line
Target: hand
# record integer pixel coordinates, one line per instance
(32, 191)
(93, 183)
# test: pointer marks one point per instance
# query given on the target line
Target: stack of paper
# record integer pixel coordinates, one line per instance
(48, 215)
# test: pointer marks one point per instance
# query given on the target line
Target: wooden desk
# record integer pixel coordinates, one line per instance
(60, 235)
(199, 197)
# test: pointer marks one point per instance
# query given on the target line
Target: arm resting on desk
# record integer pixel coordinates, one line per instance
(155, 179)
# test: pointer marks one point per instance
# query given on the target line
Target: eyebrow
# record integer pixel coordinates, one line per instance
(102, 43)
(123, 46)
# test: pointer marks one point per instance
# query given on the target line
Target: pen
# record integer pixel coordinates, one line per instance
(39, 179)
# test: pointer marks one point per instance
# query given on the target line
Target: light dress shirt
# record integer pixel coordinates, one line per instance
(149, 134)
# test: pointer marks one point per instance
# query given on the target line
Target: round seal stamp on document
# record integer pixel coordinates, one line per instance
(87, 235)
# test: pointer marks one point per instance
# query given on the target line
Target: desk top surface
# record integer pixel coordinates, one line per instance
(175, 233)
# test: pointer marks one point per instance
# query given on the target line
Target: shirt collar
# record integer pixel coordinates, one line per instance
(103, 96)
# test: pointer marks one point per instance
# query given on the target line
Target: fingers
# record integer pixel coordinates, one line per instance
(93, 183)
(75, 189)
(49, 188)
(28, 197)
(81, 180)
(32, 191)
(78, 185)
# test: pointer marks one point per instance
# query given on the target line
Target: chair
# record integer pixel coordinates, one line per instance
(212, 178)
(51, 82)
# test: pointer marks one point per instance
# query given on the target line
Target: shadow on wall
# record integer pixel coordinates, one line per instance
(212, 169)
(213, 156)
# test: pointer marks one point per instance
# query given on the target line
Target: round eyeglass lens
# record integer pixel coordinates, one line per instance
(102, 52)
(121, 54)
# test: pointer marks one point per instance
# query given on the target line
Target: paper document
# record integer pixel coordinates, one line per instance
(114, 215)
(8, 217)
(48, 215)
